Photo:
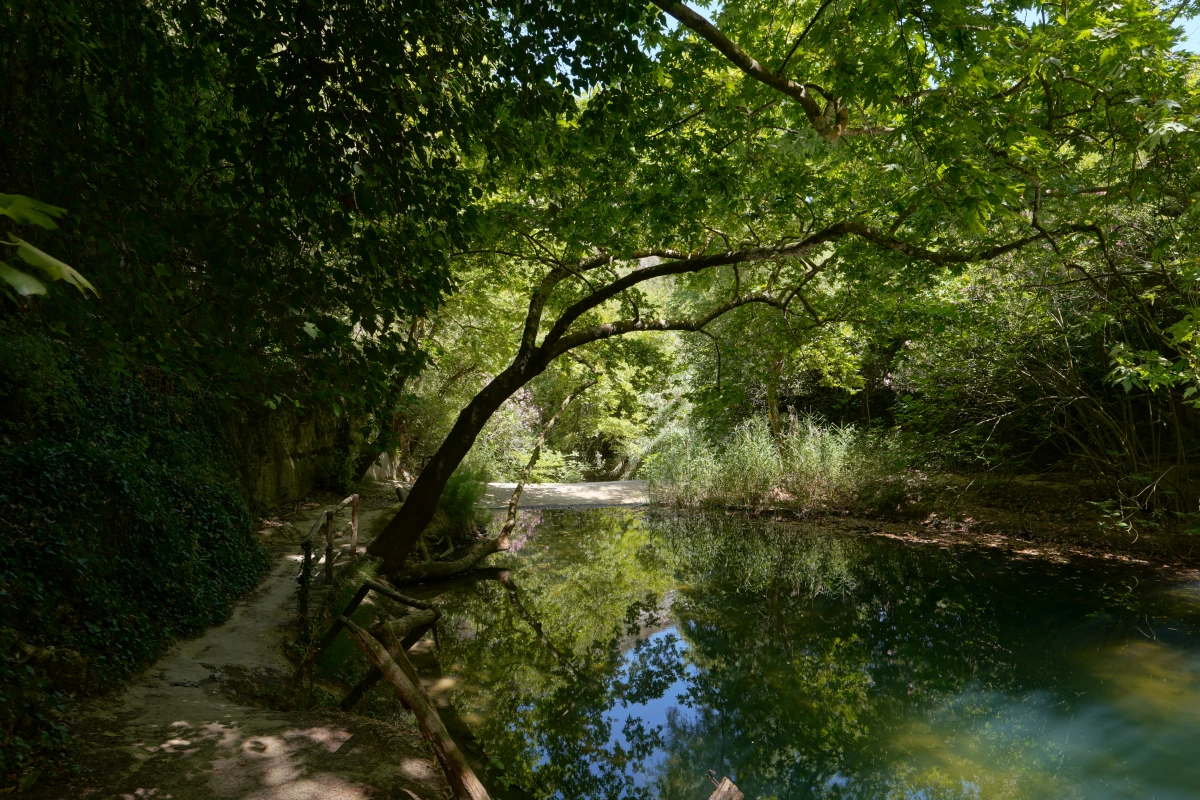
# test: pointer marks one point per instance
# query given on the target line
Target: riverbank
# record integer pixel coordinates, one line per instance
(1052, 513)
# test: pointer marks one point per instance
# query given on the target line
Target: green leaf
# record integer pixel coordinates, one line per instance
(23, 283)
(26, 211)
(57, 270)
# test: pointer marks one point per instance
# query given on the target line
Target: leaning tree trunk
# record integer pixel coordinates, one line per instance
(432, 570)
(397, 540)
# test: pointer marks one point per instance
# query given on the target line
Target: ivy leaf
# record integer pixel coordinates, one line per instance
(311, 330)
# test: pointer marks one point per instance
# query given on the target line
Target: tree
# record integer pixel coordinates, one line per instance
(267, 191)
(975, 136)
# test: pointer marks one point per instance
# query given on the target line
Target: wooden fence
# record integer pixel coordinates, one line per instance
(306, 546)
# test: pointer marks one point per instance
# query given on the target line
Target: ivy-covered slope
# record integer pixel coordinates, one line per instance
(121, 529)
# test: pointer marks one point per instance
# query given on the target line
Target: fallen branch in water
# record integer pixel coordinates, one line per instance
(407, 630)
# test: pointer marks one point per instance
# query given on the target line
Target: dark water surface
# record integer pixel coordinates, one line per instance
(628, 653)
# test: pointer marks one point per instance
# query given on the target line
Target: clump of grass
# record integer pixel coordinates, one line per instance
(812, 465)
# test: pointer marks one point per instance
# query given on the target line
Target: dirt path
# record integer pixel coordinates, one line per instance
(589, 494)
(181, 729)
(178, 730)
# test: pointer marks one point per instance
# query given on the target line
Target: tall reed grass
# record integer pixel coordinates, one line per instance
(812, 465)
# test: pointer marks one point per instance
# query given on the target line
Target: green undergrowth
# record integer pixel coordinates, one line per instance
(810, 465)
(122, 530)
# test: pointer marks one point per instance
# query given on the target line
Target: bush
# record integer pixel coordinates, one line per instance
(812, 465)
(459, 515)
(121, 531)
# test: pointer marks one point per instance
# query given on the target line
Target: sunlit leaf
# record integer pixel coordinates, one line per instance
(27, 211)
(54, 268)
(22, 282)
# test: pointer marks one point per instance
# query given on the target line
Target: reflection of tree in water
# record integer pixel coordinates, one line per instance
(763, 556)
(800, 690)
(813, 664)
(544, 719)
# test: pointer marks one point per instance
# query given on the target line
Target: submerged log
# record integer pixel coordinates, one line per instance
(400, 673)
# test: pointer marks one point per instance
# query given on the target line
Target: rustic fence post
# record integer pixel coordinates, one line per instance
(354, 529)
(305, 575)
(329, 547)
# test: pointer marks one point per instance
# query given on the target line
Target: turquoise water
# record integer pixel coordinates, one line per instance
(625, 654)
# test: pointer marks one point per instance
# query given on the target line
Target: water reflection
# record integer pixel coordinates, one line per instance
(624, 655)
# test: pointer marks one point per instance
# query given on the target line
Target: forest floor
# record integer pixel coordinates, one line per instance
(187, 728)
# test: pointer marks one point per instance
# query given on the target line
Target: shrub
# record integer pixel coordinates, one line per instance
(458, 516)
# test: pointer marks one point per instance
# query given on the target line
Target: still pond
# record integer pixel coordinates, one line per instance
(625, 653)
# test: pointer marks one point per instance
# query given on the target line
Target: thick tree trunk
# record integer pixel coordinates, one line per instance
(397, 540)
(432, 570)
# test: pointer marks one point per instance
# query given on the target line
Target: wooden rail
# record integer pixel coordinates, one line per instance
(306, 546)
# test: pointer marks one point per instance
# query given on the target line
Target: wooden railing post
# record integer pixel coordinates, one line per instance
(305, 575)
(354, 529)
(329, 547)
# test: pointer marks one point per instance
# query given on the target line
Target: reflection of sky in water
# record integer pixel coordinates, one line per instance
(943, 674)
(653, 712)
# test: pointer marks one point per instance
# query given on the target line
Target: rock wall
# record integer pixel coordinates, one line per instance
(281, 454)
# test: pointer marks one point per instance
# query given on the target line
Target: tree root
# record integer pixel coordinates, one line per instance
(433, 570)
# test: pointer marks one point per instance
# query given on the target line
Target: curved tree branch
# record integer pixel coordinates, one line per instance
(832, 233)
(831, 122)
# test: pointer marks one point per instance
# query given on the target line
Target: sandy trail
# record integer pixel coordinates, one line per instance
(588, 494)
(178, 730)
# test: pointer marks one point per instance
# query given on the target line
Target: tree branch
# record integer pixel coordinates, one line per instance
(831, 122)
(832, 233)
(803, 33)
(620, 328)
